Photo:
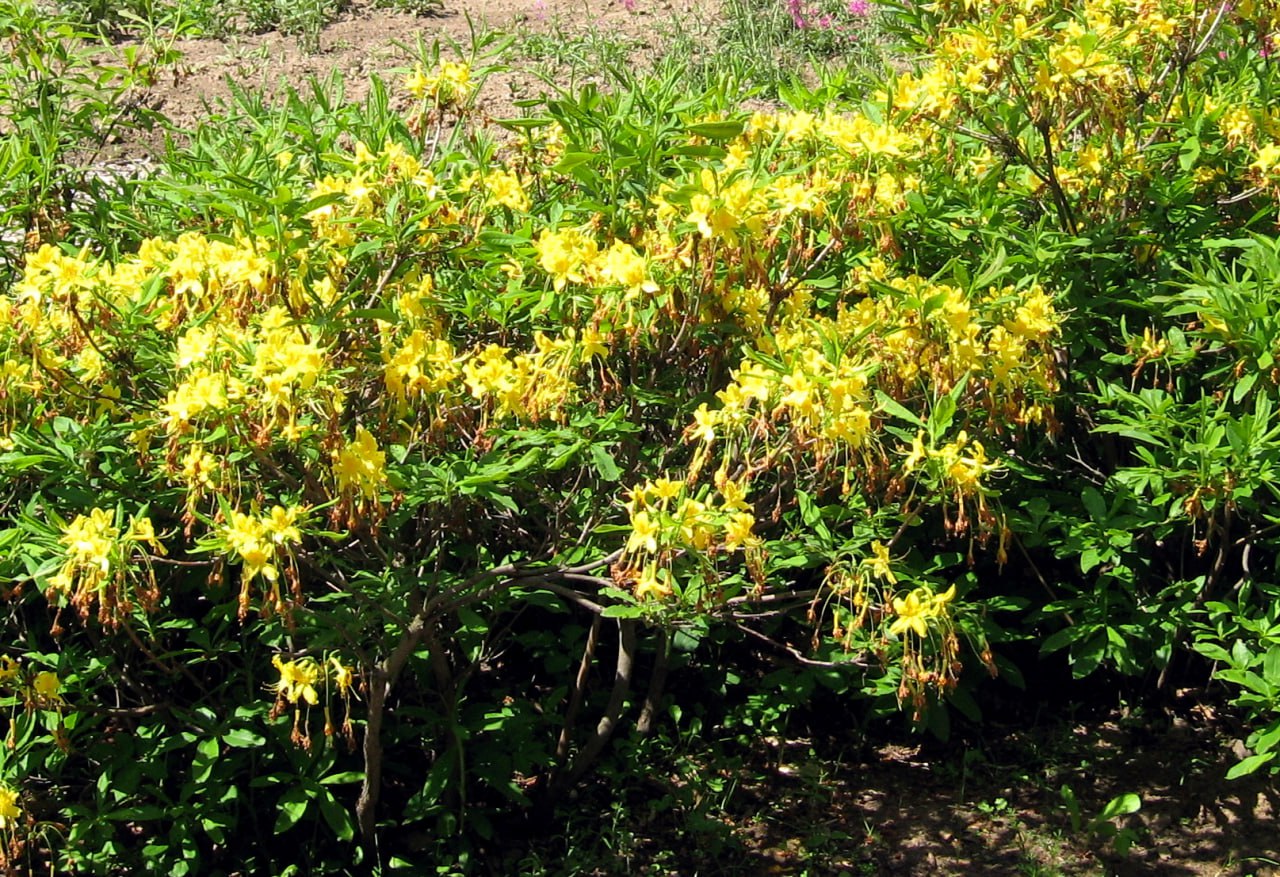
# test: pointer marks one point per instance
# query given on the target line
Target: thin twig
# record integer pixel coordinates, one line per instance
(795, 653)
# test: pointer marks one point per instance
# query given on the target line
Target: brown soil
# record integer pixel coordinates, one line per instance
(368, 41)
(989, 804)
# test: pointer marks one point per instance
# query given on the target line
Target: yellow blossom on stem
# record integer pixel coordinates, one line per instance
(913, 613)
(47, 686)
(297, 680)
(878, 562)
(644, 533)
(360, 467)
(343, 676)
(649, 585)
(10, 812)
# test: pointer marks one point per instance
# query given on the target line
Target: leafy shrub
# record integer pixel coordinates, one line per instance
(391, 470)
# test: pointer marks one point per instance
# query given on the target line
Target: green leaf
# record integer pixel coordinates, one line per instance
(523, 124)
(717, 130)
(892, 406)
(941, 416)
(1271, 665)
(1189, 153)
(604, 463)
(1060, 640)
(243, 738)
(571, 160)
(337, 817)
(622, 610)
(1244, 386)
(292, 806)
(1094, 504)
(347, 776)
(1121, 805)
(1250, 764)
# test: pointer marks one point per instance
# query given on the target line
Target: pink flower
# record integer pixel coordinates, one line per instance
(797, 10)
(859, 8)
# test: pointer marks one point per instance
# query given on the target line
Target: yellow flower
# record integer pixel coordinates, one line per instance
(282, 525)
(649, 585)
(624, 266)
(360, 467)
(89, 540)
(9, 810)
(644, 533)
(297, 680)
(878, 562)
(8, 669)
(47, 686)
(938, 602)
(734, 494)
(665, 489)
(912, 614)
(141, 530)
(247, 537)
(343, 676)
(705, 419)
(1268, 160)
(917, 455)
(593, 344)
(506, 189)
(737, 532)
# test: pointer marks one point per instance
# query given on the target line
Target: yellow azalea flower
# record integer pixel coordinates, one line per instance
(343, 676)
(734, 494)
(247, 537)
(506, 189)
(47, 686)
(8, 670)
(282, 525)
(90, 539)
(9, 810)
(665, 489)
(705, 420)
(593, 344)
(624, 266)
(917, 455)
(649, 586)
(1268, 160)
(644, 533)
(696, 528)
(939, 601)
(878, 562)
(912, 612)
(360, 467)
(141, 530)
(297, 680)
(738, 531)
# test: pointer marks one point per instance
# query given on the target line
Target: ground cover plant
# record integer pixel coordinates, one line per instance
(376, 477)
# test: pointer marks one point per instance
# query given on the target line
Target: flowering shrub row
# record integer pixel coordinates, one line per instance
(669, 369)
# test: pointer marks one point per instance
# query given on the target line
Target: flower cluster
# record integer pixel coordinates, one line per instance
(303, 683)
(100, 566)
(449, 84)
(260, 543)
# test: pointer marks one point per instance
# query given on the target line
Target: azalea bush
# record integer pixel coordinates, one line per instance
(397, 465)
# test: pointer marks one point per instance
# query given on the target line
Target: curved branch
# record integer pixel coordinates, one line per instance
(657, 682)
(575, 695)
(617, 700)
(381, 678)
